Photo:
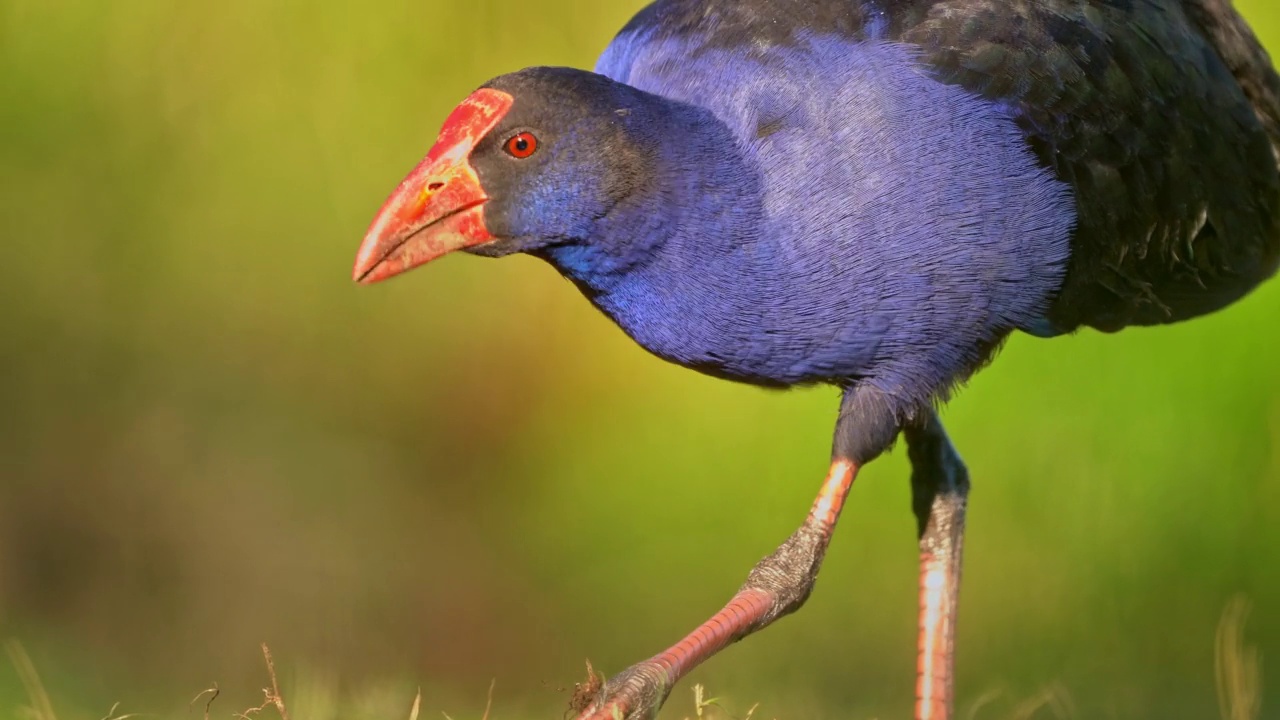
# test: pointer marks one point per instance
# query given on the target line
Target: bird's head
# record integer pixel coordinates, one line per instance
(532, 159)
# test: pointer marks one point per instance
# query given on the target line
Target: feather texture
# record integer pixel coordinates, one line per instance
(1161, 115)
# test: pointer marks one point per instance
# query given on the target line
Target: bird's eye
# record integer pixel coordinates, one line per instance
(522, 145)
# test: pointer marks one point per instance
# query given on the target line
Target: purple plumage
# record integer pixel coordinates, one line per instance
(873, 195)
(899, 227)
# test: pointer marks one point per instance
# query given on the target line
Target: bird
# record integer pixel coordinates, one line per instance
(872, 195)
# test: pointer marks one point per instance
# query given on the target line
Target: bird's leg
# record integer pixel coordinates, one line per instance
(940, 490)
(777, 586)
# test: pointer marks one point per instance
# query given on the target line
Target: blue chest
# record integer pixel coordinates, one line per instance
(891, 230)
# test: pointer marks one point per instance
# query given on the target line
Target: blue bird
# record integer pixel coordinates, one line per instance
(870, 194)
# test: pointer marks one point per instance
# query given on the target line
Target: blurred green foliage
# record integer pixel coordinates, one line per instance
(210, 437)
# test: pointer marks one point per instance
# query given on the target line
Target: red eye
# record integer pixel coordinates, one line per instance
(522, 145)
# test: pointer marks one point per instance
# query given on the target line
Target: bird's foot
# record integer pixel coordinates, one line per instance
(778, 585)
(636, 693)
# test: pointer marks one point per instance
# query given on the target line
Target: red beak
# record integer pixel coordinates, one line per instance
(439, 207)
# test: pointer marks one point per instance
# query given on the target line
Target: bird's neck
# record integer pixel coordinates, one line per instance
(672, 264)
(701, 210)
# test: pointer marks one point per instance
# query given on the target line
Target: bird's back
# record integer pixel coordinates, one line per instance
(1171, 142)
(1163, 116)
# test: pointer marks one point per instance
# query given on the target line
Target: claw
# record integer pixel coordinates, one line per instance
(636, 693)
(584, 693)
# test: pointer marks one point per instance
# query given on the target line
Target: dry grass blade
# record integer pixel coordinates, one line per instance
(273, 696)
(702, 705)
(111, 714)
(248, 714)
(417, 705)
(213, 694)
(1238, 666)
(983, 701)
(1053, 697)
(41, 708)
(488, 704)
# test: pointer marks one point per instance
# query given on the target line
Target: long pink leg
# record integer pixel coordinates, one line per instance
(778, 585)
(940, 489)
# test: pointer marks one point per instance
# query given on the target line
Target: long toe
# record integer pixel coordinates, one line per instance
(636, 693)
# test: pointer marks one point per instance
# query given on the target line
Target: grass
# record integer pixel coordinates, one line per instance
(1239, 666)
(1238, 671)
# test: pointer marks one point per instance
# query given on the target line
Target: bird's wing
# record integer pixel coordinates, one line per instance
(1244, 56)
(1160, 114)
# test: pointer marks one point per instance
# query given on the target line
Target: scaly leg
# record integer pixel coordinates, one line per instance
(777, 586)
(940, 491)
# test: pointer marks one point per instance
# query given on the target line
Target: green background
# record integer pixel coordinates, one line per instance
(210, 437)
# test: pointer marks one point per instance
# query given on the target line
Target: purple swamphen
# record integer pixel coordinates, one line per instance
(872, 194)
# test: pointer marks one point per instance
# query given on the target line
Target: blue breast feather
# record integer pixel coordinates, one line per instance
(893, 227)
